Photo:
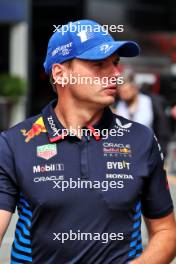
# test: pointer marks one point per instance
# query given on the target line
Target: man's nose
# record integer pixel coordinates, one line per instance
(115, 69)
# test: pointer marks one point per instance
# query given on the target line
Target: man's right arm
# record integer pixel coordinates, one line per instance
(8, 185)
(5, 218)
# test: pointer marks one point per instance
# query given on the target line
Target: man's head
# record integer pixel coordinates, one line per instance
(89, 82)
(82, 49)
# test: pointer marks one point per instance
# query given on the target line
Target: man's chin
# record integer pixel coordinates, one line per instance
(108, 100)
(101, 102)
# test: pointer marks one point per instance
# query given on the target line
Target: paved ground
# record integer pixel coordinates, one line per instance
(5, 249)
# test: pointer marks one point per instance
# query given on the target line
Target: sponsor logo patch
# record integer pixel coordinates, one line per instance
(63, 50)
(122, 129)
(105, 47)
(37, 128)
(115, 149)
(47, 151)
(119, 176)
(120, 165)
(48, 168)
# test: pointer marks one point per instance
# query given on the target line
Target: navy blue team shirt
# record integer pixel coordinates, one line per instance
(80, 200)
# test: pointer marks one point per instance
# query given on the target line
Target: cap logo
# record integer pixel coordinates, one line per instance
(105, 47)
(64, 49)
(84, 35)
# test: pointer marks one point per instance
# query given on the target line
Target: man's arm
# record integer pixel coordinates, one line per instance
(161, 248)
(5, 218)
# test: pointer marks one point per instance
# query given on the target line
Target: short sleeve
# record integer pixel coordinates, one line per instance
(156, 198)
(8, 185)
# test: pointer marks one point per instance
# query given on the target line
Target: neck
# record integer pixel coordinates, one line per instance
(76, 115)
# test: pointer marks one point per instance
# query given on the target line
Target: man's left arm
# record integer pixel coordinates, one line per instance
(161, 248)
(158, 212)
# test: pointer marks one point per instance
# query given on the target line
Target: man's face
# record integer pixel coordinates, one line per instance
(101, 88)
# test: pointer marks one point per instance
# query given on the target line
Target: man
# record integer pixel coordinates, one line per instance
(80, 195)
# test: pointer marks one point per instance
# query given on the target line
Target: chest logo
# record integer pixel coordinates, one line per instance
(114, 149)
(47, 151)
(122, 129)
(37, 128)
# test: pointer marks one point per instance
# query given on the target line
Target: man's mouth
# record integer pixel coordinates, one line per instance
(111, 89)
(111, 86)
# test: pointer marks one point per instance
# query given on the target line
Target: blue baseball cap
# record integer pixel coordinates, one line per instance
(86, 40)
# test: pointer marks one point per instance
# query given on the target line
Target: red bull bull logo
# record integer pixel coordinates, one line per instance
(37, 128)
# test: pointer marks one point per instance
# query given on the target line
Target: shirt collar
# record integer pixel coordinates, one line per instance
(56, 130)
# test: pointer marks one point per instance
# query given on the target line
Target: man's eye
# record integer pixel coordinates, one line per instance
(99, 64)
(116, 62)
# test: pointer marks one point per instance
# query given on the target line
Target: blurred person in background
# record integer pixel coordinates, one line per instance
(141, 106)
(161, 122)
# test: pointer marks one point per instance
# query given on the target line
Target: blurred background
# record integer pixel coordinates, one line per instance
(25, 27)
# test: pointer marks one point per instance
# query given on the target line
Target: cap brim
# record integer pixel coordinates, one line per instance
(104, 50)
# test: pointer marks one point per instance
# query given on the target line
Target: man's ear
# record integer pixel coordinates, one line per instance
(57, 73)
